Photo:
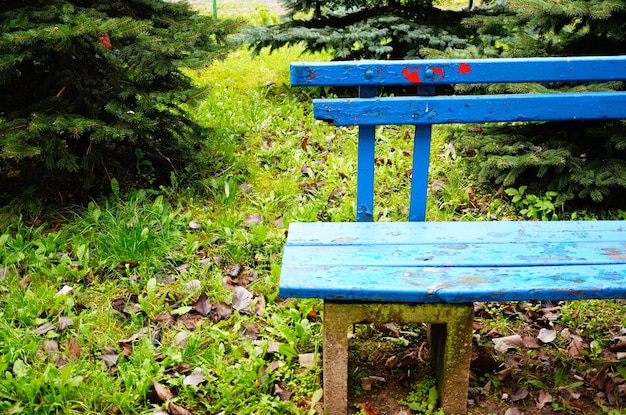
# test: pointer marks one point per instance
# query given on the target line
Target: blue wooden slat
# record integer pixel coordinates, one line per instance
(421, 161)
(455, 261)
(458, 71)
(455, 284)
(472, 109)
(458, 255)
(365, 169)
(419, 180)
(400, 233)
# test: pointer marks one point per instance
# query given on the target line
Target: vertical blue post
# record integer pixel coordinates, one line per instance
(365, 165)
(421, 160)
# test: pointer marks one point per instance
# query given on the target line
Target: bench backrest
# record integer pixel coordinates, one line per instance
(425, 109)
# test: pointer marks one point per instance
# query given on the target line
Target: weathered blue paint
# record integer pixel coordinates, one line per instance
(458, 71)
(408, 270)
(464, 261)
(365, 169)
(472, 109)
(419, 187)
(455, 262)
(421, 162)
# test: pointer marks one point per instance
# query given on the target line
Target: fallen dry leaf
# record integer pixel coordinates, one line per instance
(222, 312)
(272, 346)
(64, 323)
(44, 328)
(513, 411)
(392, 361)
(519, 394)
(190, 321)
(281, 392)
(531, 342)
(24, 282)
(252, 219)
(242, 299)
(546, 335)
(66, 290)
(576, 346)
(502, 374)
(259, 305)
(73, 348)
(278, 222)
(194, 379)
(203, 305)
(110, 359)
(164, 394)
(251, 330)
(60, 360)
(367, 408)
(543, 398)
(181, 339)
(234, 270)
(183, 267)
(502, 344)
(192, 286)
(306, 359)
(177, 410)
(245, 188)
(165, 319)
(50, 346)
(367, 382)
(229, 283)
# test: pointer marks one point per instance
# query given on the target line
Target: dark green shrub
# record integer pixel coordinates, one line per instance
(92, 90)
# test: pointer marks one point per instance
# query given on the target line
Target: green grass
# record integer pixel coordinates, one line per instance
(150, 275)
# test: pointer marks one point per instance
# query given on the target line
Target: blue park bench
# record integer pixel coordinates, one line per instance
(432, 272)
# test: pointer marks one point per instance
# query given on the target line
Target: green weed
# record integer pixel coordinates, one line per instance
(532, 206)
(423, 397)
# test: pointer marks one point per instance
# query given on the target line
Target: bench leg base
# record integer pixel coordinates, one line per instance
(450, 336)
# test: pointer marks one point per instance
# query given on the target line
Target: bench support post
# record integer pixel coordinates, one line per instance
(451, 343)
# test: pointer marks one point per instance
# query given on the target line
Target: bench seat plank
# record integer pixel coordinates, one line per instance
(455, 262)
(462, 254)
(454, 284)
(383, 233)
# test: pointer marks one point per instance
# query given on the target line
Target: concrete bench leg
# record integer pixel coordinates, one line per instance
(451, 343)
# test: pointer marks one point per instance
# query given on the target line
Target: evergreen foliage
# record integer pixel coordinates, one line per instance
(367, 29)
(577, 161)
(92, 90)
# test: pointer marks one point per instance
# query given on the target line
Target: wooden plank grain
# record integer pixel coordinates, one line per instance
(460, 254)
(458, 71)
(398, 233)
(453, 284)
(419, 110)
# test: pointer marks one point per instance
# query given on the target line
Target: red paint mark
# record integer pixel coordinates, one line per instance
(105, 40)
(412, 75)
(464, 68)
(439, 72)
(311, 75)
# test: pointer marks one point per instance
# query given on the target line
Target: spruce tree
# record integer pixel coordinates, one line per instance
(579, 160)
(92, 90)
(367, 29)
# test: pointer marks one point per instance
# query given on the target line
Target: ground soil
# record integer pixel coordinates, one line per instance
(533, 378)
